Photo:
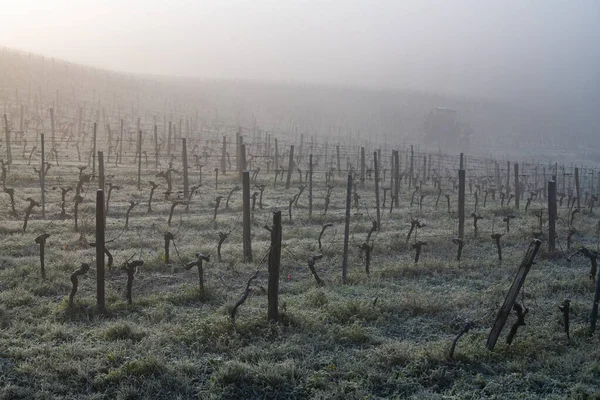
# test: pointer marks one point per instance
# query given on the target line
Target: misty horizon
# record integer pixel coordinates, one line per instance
(525, 52)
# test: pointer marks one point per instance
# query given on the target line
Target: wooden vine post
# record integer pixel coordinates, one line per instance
(362, 166)
(101, 170)
(517, 191)
(412, 167)
(94, 153)
(121, 143)
(376, 166)
(242, 152)
(223, 154)
(43, 177)
(347, 228)
(337, 151)
(310, 183)
(246, 216)
(577, 192)
(396, 177)
(552, 211)
(274, 266)
(461, 202)
(513, 292)
(290, 168)
(507, 194)
(594, 314)
(52, 127)
(7, 133)
(186, 187)
(100, 301)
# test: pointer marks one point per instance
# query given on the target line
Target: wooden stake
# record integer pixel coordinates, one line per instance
(337, 151)
(517, 191)
(461, 204)
(362, 166)
(347, 228)
(507, 195)
(552, 214)
(43, 176)
(290, 168)
(121, 143)
(155, 146)
(101, 170)
(100, 301)
(223, 154)
(246, 216)
(412, 165)
(396, 177)
(513, 292)
(94, 153)
(577, 192)
(139, 153)
(274, 266)
(594, 314)
(169, 138)
(7, 133)
(186, 187)
(376, 165)
(52, 127)
(310, 184)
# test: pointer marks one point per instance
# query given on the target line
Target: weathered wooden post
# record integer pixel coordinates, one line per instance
(242, 160)
(513, 292)
(362, 166)
(101, 170)
(396, 178)
(121, 143)
(169, 138)
(412, 166)
(246, 217)
(310, 185)
(52, 127)
(290, 168)
(376, 165)
(43, 176)
(552, 213)
(274, 265)
(186, 187)
(276, 166)
(347, 228)
(139, 157)
(497, 176)
(517, 191)
(392, 160)
(507, 195)
(337, 151)
(461, 203)
(100, 302)
(109, 134)
(594, 314)
(7, 133)
(94, 153)
(155, 146)
(238, 143)
(224, 154)
(577, 192)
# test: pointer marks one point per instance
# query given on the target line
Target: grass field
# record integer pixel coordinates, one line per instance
(387, 335)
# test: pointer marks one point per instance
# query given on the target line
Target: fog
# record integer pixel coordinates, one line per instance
(484, 48)
(542, 56)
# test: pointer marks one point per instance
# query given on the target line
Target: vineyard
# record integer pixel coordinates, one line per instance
(154, 253)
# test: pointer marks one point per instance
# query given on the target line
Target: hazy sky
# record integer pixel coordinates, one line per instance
(491, 48)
